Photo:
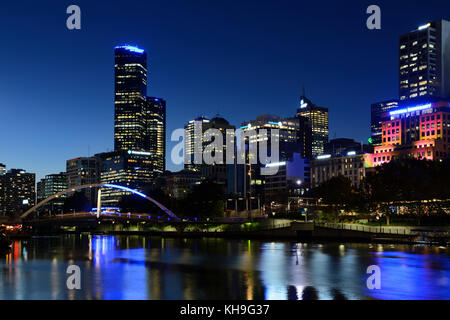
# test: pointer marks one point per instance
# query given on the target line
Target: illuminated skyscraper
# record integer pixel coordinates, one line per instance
(140, 121)
(155, 141)
(424, 63)
(193, 135)
(17, 192)
(49, 186)
(83, 171)
(130, 72)
(132, 169)
(318, 119)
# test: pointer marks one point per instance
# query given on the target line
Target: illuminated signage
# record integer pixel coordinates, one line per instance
(275, 164)
(303, 104)
(411, 109)
(139, 153)
(351, 153)
(131, 48)
(324, 156)
(426, 26)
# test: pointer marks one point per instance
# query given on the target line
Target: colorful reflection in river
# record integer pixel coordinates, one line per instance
(133, 267)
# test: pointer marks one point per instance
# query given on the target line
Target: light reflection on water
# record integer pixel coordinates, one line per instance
(135, 267)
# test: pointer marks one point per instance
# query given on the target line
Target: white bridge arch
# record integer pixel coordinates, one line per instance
(99, 185)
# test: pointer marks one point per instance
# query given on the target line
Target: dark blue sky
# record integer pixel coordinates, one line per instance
(238, 58)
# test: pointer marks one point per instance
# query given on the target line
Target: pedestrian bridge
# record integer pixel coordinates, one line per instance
(99, 186)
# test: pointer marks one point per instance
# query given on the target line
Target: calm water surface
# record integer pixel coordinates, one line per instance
(135, 267)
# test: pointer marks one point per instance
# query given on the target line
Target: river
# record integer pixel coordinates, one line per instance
(138, 267)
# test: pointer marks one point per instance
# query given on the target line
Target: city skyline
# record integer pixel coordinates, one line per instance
(256, 97)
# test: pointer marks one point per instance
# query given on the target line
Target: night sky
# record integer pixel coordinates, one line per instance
(236, 58)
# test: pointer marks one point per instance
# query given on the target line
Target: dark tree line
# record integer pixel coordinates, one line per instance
(399, 181)
(204, 200)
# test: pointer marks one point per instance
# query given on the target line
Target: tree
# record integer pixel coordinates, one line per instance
(409, 180)
(205, 200)
(77, 202)
(339, 192)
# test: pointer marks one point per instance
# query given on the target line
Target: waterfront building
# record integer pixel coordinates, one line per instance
(132, 169)
(354, 165)
(156, 136)
(17, 192)
(214, 172)
(292, 179)
(318, 119)
(139, 120)
(84, 171)
(295, 135)
(50, 185)
(418, 131)
(377, 111)
(424, 63)
(130, 91)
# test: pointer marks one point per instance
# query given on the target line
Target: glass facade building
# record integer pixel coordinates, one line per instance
(49, 186)
(424, 63)
(17, 191)
(318, 119)
(377, 112)
(139, 121)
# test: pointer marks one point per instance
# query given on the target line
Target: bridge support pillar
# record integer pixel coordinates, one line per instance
(99, 202)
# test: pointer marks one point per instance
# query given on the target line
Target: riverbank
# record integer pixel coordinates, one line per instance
(285, 234)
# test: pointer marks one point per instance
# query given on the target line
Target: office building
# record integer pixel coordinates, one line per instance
(354, 166)
(50, 185)
(424, 63)
(191, 135)
(130, 89)
(214, 172)
(84, 171)
(418, 131)
(377, 111)
(318, 119)
(17, 192)
(132, 169)
(140, 120)
(156, 127)
(295, 134)
(291, 180)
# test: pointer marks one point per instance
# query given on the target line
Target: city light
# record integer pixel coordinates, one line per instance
(140, 153)
(131, 48)
(275, 164)
(303, 105)
(411, 109)
(426, 26)
(324, 156)
(351, 153)
(114, 186)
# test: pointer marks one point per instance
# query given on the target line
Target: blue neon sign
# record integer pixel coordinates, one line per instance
(131, 48)
(107, 185)
(410, 109)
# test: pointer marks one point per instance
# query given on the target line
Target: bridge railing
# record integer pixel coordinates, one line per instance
(401, 230)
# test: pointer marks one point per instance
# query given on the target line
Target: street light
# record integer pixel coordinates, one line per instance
(273, 220)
